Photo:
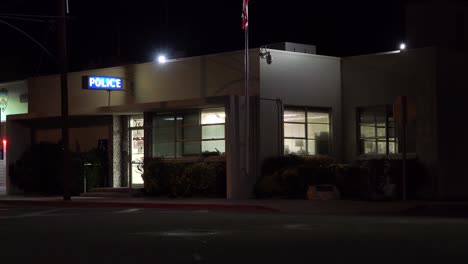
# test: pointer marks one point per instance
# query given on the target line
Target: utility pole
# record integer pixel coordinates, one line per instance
(62, 36)
(245, 27)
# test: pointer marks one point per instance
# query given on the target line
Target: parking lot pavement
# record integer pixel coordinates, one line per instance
(16, 212)
(128, 235)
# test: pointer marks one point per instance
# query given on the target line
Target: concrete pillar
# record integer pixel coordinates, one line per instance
(233, 166)
(238, 185)
(116, 151)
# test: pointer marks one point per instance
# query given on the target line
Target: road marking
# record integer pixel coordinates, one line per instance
(39, 213)
(177, 211)
(127, 211)
(182, 233)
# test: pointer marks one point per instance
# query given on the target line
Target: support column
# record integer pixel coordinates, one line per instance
(233, 164)
(116, 151)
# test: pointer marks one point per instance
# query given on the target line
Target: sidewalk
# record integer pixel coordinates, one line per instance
(411, 208)
(198, 204)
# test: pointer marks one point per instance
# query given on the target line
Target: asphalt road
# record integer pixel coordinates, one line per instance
(118, 235)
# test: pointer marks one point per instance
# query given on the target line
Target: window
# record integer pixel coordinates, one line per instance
(306, 132)
(189, 134)
(377, 131)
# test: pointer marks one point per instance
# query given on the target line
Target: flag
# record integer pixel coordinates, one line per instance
(245, 14)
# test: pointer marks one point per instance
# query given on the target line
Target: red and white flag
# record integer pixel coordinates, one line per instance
(245, 14)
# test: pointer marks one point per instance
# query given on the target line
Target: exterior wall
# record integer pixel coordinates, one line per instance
(374, 80)
(451, 96)
(234, 173)
(190, 78)
(198, 77)
(83, 136)
(296, 79)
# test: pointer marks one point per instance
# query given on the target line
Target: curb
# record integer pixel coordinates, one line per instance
(191, 206)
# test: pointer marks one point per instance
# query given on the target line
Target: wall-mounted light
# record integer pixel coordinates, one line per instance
(265, 54)
(402, 46)
(162, 59)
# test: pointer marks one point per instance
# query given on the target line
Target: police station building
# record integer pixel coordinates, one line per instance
(300, 102)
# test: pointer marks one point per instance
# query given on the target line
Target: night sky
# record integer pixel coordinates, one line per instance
(105, 33)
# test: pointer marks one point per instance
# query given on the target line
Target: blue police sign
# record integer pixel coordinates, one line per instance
(103, 83)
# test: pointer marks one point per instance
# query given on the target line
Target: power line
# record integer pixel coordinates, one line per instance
(30, 37)
(23, 19)
(36, 16)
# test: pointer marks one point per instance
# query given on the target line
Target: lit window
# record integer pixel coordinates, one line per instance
(213, 130)
(189, 134)
(377, 131)
(306, 132)
(213, 116)
(136, 121)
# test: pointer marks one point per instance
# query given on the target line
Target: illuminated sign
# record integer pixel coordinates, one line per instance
(102, 83)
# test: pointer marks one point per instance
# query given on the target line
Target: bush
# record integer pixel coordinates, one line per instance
(384, 172)
(274, 164)
(290, 175)
(95, 169)
(373, 179)
(157, 175)
(181, 179)
(39, 170)
(352, 181)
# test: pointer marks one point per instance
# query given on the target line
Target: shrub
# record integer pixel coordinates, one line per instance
(180, 185)
(269, 186)
(94, 163)
(274, 164)
(181, 179)
(39, 170)
(157, 175)
(290, 175)
(352, 181)
(319, 160)
(384, 171)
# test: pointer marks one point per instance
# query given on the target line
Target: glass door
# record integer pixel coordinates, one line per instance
(137, 150)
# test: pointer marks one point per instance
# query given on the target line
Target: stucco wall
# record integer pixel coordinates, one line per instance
(377, 80)
(188, 78)
(298, 80)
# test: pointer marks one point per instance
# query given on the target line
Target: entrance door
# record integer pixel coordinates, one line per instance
(137, 150)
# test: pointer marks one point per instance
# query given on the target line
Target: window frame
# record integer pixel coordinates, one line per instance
(306, 109)
(388, 111)
(176, 127)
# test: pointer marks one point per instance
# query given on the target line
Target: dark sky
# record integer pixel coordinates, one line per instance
(104, 33)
